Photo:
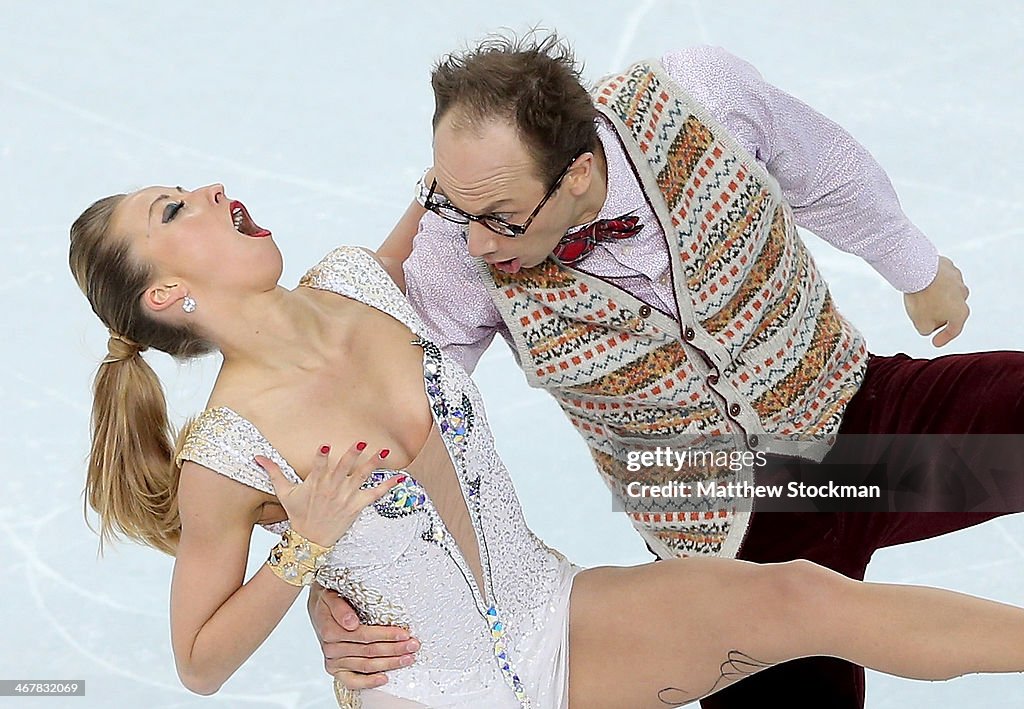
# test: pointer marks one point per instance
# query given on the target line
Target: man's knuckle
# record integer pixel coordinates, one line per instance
(381, 664)
(353, 664)
(380, 650)
(335, 651)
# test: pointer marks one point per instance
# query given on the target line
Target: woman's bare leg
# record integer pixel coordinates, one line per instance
(668, 633)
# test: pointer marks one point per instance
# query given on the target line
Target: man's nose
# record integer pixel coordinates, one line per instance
(480, 240)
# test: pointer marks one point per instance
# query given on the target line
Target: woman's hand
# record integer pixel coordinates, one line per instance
(325, 505)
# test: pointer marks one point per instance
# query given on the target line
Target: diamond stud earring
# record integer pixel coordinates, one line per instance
(188, 304)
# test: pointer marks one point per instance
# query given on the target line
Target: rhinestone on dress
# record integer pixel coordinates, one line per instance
(404, 498)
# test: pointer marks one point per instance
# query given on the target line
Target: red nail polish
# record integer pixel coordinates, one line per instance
(325, 449)
(401, 478)
(384, 453)
(361, 445)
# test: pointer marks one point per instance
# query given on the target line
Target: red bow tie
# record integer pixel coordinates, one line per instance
(575, 246)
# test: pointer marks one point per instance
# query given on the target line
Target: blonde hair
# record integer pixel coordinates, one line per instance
(132, 480)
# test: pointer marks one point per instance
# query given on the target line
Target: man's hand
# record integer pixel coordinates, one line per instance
(357, 655)
(942, 303)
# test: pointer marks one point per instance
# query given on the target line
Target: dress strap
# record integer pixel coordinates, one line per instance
(355, 273)
(225, 442)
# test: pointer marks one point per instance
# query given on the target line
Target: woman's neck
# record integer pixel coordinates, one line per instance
(284, 330)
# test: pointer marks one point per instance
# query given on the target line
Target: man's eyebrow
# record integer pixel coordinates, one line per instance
(496, 206)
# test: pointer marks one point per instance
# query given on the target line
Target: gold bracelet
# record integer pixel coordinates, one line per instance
(295, 559)
(347, 698)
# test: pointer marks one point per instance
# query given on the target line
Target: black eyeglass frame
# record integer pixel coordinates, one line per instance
(496, 224)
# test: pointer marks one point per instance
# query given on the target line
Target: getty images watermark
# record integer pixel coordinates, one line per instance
(855, 473)
(665, 458)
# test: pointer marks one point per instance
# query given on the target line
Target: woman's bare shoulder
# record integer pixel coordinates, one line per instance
(208, 500)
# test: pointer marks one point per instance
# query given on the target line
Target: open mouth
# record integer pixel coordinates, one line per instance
(244, 224)
(512, 265)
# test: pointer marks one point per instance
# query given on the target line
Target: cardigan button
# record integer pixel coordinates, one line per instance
(645, 311)
(753, 441)
(689, 334)
(734, 410)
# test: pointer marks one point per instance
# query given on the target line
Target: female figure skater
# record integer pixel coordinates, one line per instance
(437, 543)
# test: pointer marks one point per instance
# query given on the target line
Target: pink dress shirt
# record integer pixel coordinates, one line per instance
(837, 190)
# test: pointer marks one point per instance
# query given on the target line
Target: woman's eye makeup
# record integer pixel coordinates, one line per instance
(171, 210)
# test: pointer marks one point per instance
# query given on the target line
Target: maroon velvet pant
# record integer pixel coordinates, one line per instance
(972, 393)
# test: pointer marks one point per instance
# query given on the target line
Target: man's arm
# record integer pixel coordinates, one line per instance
(427, 257)
(836, 188)
(398, 244)
(444, 285)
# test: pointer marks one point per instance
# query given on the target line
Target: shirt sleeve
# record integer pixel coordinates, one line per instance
(836, 188)
(444, 285)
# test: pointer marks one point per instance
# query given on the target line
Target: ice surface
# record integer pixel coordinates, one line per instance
(317, 114)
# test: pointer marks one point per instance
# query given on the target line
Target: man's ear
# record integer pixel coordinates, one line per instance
(581, 174)
(160, 297)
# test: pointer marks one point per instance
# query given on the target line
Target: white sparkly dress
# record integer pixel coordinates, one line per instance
(503, 645)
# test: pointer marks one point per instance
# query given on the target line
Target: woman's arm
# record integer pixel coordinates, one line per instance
(398, 244)
(216, 620)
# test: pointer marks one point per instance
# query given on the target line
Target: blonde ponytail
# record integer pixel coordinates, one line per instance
(132, 481)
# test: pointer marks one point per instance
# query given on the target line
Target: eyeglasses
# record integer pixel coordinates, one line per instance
(439, 205)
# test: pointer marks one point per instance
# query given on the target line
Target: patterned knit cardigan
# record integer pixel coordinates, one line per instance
(759, 359)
